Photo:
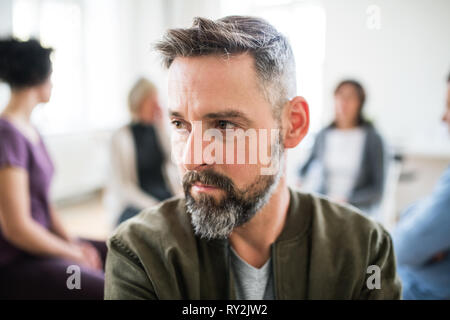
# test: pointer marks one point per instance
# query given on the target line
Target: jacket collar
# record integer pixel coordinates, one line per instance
(297, 221)
(289, 252)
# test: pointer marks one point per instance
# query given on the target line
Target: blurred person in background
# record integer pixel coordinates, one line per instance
(141, 172)
(422, 240)
(35, 248)
(348, 154)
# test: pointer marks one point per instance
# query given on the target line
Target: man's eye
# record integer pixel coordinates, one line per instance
(177, 124)
(223, 125)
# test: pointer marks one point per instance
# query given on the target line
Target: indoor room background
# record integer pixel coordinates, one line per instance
(399, 50)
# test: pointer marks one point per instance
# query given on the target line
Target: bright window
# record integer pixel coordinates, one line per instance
(86, 80)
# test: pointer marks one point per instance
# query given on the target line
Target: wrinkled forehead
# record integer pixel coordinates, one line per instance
(212, 81)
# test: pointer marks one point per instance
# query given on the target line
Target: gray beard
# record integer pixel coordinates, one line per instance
(212, 220)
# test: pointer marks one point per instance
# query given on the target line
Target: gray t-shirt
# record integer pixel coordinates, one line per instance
(252, 283)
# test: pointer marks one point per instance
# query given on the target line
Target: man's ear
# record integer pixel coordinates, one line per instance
(296, 117)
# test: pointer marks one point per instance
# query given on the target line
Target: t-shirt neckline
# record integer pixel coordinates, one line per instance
(14, 127)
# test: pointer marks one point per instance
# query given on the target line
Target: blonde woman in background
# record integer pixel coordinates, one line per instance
(141, 173)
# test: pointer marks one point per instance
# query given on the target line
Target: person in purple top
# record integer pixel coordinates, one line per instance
(36, 252)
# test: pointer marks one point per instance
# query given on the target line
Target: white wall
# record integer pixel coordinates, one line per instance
(403, 66)
(81, 162)
(5, 17)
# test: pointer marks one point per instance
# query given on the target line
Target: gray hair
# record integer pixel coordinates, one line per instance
(274, 60)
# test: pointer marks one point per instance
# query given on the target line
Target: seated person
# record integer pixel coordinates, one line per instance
(141, 174)
(240, 231)
(348, 153)
(35, 249)
(422, 240)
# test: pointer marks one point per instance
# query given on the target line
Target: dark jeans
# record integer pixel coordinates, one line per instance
(32, 277)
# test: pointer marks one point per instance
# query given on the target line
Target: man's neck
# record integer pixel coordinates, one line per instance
(252, 240)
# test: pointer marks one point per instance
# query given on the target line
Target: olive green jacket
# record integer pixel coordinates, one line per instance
(323, 252)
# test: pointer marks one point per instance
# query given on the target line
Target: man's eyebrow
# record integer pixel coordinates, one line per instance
(227, 114)
(218, 115)
(175, 114)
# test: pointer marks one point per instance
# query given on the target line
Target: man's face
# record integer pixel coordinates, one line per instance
(218, 97)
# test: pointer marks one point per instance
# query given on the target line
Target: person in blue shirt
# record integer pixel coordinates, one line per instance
(422, 240)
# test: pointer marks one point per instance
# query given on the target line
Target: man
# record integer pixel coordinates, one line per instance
(240, 232)
(422, 240)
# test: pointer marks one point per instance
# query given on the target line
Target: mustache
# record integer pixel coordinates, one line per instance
(208, 177)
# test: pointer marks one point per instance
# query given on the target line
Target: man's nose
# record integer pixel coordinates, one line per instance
(193, 158)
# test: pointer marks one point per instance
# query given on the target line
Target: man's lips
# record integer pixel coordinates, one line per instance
(199, 187)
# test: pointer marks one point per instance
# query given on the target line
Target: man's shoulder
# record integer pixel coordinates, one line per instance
(345, 248)
(341, 235)
(339, 221)
(154, 225)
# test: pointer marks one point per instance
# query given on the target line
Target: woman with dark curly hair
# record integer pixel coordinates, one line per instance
(35, 249)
